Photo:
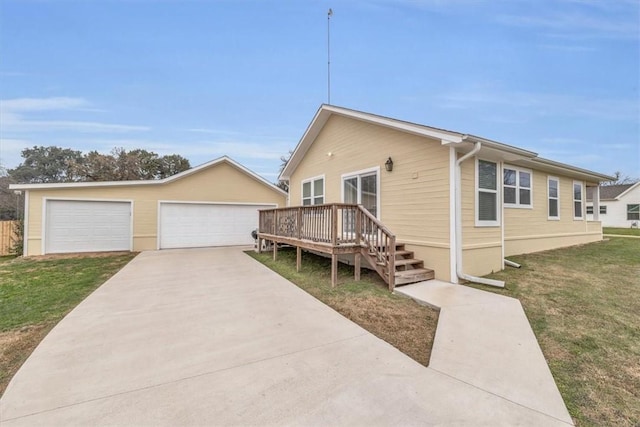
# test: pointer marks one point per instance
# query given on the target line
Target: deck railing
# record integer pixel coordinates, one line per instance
(331, 226)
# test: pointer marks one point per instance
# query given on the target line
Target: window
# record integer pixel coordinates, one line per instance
(603, 210)
(577, 200)
(361, 188)
(487, 200)
(553, 194)
(633, 212)
(313, 191)
(516, 187)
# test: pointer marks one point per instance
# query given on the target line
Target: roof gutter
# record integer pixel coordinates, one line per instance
(458, 215)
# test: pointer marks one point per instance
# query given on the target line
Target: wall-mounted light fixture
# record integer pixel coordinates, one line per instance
(388, 165)
(329, 154)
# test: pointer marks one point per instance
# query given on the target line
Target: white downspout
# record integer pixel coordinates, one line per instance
(458, 213)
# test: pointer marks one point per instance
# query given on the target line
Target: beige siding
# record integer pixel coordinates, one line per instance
(414, 197)
(221, 182)
(481, 245)
(530, 230)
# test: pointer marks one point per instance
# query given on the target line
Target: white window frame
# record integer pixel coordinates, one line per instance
(603, 209)
(628, 209)
(589, 208)
(581, 200)
(358, 175)
(312, 180)
(497, 191)
(557, 198)
(517, 187)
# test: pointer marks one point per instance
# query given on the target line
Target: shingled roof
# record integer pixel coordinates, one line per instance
(608, 192)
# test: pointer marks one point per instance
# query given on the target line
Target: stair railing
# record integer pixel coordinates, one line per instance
(379, 245)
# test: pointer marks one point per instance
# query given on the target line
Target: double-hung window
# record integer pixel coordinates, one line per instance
(487, 201)
(516, 187)
(577, 200)
(553, 194)
(313, 191)
(633, 212)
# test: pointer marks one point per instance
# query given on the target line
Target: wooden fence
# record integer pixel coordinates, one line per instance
(7, 236)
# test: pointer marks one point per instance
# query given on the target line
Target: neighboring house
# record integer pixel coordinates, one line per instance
(461, 203)
(619, 205)
(213, 204)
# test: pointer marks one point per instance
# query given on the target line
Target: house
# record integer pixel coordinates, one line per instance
(619, 205)
(213, 204)
(457, 204)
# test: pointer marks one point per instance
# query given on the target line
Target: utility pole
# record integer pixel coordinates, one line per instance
(329, 15)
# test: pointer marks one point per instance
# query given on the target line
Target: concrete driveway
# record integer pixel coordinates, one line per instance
(211, 337)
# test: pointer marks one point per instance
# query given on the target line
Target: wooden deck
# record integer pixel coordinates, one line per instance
(338, 229)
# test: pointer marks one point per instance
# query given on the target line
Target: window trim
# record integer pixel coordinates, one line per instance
(312, 180)
(573, 196)
(633, 204)
(549, 198)
(497, 192)
(517, 204)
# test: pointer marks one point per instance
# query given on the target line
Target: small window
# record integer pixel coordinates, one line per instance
(516, 187)
(577, 200)
(603, 210)
(313, 191)
(553, 194)
(633, 212)
(487, 200)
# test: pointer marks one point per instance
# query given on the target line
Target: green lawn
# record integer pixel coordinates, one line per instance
(35, 293)
(400, 321)
(623, 231)
(584, 306)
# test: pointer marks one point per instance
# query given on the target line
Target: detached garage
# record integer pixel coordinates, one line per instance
(215, 204)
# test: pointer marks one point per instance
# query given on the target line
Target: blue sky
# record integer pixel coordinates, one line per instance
(204, 78)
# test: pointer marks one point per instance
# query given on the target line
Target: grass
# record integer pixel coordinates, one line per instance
(36, 293)
(622, 231)
(583, 303)
(400, 321)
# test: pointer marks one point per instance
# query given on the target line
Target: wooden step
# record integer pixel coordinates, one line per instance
(413, 276)
(415, 263)
(403, 254)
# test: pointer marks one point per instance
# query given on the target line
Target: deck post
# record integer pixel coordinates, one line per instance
(298, 258)
(259, 248)
(334, 270)
(356, 266)
(358, 226)
(299, 235)
(275, 223)
(334, 225)
(275, 250)
(391, 253)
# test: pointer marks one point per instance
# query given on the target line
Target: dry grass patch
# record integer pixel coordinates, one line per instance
(399, 321)
(16, 345)
(583, 303)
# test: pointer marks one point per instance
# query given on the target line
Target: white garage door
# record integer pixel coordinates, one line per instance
(87, 226)
(198, 225)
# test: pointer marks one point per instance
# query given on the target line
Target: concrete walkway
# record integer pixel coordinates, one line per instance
(485, 340)
(212, 337)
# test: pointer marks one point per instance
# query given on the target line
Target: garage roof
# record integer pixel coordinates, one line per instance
(178, 176)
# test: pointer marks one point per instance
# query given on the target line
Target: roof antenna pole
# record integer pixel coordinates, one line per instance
(329, 14)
